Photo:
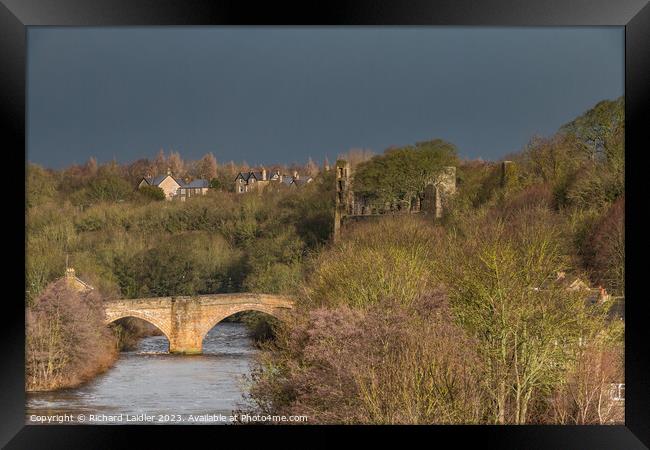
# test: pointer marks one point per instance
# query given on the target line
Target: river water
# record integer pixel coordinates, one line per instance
(148, 385)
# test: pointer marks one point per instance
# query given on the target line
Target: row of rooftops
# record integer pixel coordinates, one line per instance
(246, 176)
(276, 175)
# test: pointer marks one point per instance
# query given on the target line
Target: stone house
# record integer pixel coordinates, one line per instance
(193, 188)
(249, 181)
(257, 180)
(167, 183)
(175, 187)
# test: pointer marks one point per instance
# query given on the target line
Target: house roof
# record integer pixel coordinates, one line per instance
(83, 283)
(300, 181)
(155, 181)
(272, 175)
(159, 179)
(198, 183)
(247, 175)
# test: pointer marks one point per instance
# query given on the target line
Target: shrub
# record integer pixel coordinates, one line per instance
(537, 196)
(276, 278)
(40, 186)
(387, 364)
(152, 193)
(392, 258)
(604, 249)
(595, 187)
(108, 186)
(67, 341)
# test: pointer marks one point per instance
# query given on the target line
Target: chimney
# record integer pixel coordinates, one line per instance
(169, 171)
(263, 174)
(69, 273)
(295, 175)
(602, 294)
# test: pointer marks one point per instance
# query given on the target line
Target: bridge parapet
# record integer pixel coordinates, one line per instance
(209, 299)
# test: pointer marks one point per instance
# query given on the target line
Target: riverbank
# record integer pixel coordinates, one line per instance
(127, 336)
(103, 364)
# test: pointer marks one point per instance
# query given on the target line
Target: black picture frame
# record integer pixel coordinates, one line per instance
(634, 15)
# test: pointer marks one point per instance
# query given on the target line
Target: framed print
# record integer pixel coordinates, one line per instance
(370, 216)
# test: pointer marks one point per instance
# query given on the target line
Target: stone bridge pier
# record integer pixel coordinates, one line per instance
(186, 320)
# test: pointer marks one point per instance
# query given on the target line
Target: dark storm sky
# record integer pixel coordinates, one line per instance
(284, 94)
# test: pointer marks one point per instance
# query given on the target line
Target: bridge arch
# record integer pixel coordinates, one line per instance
(142, 316)
(270, 310)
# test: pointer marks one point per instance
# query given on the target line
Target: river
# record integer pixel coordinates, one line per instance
(148, 385)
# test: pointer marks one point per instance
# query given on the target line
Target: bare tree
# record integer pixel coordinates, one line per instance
(207, 167)
(586, 396)
(356, 156)
(160, 162)
(91, 166)
(175, 164)
(311, 168)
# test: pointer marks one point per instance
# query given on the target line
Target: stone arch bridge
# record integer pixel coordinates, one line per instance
(186, 320)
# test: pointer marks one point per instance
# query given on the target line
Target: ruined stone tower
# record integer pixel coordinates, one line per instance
(343, 195)
(508, 172)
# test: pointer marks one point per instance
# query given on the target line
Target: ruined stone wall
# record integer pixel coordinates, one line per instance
(433, 200)
(439, 192)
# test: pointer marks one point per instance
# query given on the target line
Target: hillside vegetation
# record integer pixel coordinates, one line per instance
(469, 320)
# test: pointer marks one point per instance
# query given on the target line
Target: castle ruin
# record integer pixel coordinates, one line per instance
(432, 201)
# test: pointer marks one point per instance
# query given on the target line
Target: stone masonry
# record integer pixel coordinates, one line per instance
(344, 195)
(186, 320)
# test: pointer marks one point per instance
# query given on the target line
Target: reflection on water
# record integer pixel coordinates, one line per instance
(150, 381)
